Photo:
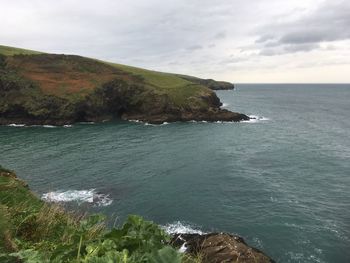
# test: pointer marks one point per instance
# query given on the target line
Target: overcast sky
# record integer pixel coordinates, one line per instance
(234, 40)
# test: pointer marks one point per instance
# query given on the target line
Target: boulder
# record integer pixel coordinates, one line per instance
(219, 248)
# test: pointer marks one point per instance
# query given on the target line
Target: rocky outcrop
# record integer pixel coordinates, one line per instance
(220, 248)
(210, 83)
(203, 108)
(212, 115)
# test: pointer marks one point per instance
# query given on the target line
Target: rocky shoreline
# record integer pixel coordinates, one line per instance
(212, 115)
(209, 248)
(219, 248)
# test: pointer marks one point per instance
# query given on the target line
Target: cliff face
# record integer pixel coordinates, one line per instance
(60, 89)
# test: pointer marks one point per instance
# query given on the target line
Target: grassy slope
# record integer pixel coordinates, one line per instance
(177, 88)
(35, 231)
(11, 51)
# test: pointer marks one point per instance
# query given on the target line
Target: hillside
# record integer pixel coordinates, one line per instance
(34, 231)
(41, 88)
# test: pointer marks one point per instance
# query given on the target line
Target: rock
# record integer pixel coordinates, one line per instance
(7, 173)
(210, 83)
(220, 248)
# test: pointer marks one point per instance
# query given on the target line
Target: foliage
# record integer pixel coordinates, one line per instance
(136, 241)
(66, 76)
(33, 231)
(11, 51)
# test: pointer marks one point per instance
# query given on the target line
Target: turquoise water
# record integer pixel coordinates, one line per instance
(282, 182)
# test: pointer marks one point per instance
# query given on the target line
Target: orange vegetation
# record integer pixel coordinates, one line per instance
(63, 75)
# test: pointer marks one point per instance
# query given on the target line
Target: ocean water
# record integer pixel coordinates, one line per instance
(281, 181)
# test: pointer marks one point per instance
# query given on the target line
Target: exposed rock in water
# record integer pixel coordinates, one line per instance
(220, 248)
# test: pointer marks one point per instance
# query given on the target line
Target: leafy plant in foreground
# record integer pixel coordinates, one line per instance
(137, 241)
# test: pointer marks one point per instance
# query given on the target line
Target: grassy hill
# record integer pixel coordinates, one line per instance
(82, 88)
(87, 74)
(11, 51)
(34, 231)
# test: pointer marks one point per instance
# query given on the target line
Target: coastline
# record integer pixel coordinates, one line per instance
(208, 248)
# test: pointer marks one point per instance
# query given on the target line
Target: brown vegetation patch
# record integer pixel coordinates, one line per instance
(63, 75)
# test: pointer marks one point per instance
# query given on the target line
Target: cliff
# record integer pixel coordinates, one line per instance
(34, 231)
(41, 88)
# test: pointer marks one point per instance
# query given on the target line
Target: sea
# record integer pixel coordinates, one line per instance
(281, 180)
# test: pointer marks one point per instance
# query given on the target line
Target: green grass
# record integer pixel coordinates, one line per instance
(11, 51)
(172, 85)
(34, 231)
(176, 87)
(67, 76)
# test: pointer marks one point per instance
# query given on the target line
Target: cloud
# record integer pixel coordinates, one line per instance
(220, 35)
(199, 37)
(327, 23)
(285, 49)
(194, 47)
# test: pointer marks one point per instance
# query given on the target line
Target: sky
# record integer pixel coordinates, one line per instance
(255, 41)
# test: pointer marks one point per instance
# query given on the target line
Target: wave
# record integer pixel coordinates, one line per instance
(224, 105)
(87, 122)
(149, 124)
(255, 119)
(303, 257)
(16, 125)
(79, 196)
(43, 126)
(181, 228)
(193, 121)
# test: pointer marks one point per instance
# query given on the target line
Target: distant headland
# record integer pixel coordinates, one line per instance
(39, 88)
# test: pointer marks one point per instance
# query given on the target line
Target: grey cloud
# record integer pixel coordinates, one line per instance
(285, 49)
(194, 47)
(329, 22)
(305, 36)
(301, 47)
(220, 35)
(264, 38)
(188, 36)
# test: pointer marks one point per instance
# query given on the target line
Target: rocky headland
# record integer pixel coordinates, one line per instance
(39, 88)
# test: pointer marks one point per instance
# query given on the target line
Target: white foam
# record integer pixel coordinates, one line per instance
(49, 126)
(137, 121)
(255, 119)
(79, 196)
(149, 124)
(87, 122)
(181, 228)
(67, 126)
(16, 125)
(224, 105)
(183, 248)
